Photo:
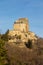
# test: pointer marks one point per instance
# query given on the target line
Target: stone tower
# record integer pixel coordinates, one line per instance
(21, 25)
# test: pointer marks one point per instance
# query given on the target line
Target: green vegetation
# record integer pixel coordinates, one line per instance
(29, 44)
(3, 54)
(5, 36)
(20, 56)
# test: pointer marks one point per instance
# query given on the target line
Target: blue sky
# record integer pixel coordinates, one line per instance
(11, 10)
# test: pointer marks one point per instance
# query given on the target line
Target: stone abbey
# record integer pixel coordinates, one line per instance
(21, 32)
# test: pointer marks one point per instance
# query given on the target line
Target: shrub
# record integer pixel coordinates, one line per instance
(29, 44)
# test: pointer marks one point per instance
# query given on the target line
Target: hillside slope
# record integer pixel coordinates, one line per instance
(25, 56)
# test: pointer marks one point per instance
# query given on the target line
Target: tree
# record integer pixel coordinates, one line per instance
(3, 55)
(5, 36)
(29, 44)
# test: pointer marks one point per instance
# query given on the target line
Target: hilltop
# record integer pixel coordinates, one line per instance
(22, 46)
(21, 34)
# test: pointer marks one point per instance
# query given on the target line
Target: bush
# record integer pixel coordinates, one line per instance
(29, 44)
